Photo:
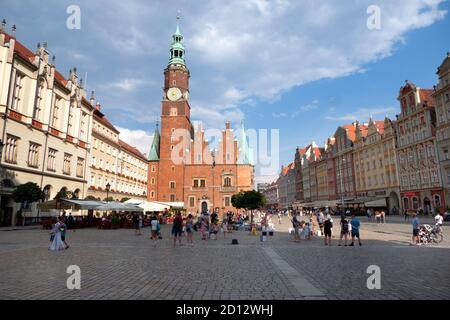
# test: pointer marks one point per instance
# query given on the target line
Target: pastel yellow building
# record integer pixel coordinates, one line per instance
(375, 163)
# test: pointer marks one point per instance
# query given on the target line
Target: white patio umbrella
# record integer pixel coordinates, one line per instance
(117, 206)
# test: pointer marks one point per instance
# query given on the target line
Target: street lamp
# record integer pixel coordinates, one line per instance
(108, 187)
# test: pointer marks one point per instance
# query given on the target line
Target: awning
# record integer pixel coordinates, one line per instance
(148, 206)
(84, 204)
(376, 203)
(172, 204)
(117, 206)
(53, 205)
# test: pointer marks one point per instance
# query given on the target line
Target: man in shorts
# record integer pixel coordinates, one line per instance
(155, 228)
(177, 229)
(416, 228)
(355, 224)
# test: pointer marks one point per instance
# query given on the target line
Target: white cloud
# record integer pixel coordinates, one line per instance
(136, 138)
(126, 84)
(305, 108)
(363, 114)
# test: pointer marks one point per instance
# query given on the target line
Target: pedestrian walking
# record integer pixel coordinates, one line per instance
(63, 229)
(279, 217)
(155, 228)
(355, 224)
(296, 226)
(135, 220)
(177, 229)
(70, 222)
(56, 241)
(320, 221)
(344, 231)
(416, 228)
(189, 229)
(378, 216)
(328, 226)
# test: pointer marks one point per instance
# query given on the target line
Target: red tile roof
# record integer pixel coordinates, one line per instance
(425, 95)
(59, 78)
(350, 131)
(21, 50)
(27, 54)
(100, 117)
(131, 149)
(380, 126)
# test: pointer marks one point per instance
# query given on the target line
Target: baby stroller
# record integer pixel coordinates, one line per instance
(429, 234)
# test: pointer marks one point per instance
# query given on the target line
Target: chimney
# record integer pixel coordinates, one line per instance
(2, 26)
(13, 31)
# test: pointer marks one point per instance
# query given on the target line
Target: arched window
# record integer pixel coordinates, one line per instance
(415, 203)
(406, 203)
(437, 200)
(227, 182)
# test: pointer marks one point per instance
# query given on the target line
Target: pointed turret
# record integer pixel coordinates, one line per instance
(153, 155)
(244, 151)
(177, 47)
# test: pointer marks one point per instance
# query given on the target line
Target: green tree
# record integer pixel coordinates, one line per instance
(63, 194)
(91, 198)
(108, 199)
(248, 200)
(124, 199)
(27, 193)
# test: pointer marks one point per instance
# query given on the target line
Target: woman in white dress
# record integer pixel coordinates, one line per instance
(57, 243)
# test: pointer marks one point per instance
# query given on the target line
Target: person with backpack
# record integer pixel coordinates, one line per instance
(344, 231)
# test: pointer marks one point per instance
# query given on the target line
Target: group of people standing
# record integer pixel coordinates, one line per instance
(304, 229)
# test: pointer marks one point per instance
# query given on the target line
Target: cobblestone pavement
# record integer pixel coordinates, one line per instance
(116, 264)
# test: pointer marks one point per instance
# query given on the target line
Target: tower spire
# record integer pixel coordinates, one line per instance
(177, 48)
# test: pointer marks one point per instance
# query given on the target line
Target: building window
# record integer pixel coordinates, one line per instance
(202, 183)
(18, 92)
(152, 181)
(172, 198)
(152, 194)
(33, 155)
(195, 183)
(227, 182)
(56, 109)
(227, 201)
(415, 203)
(191, 201)
(437, 200)
(153, 168)
(51, 159)
(71, 120)
(172, 184)
(83, 126)
(11, 149)
(39, 102)
(67, 163)
(80, 167)
(406, 203)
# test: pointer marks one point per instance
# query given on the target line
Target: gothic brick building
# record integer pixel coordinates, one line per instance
(182, 165)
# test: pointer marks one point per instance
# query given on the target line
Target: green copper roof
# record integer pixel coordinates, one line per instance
(245, 154)
(153, 155)
(177, 51)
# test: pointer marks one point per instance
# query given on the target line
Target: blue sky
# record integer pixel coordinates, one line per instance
(303, 67)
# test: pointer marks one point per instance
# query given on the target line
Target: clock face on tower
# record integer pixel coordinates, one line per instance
(173, 94)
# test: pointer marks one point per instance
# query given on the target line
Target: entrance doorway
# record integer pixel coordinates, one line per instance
(6, 212)
(394, 203)
(204, 207)
(426, 205)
